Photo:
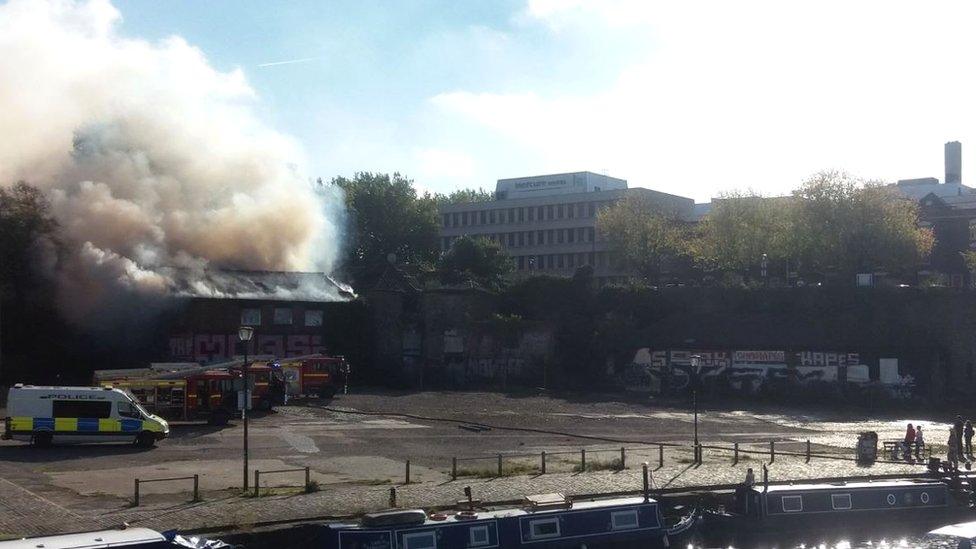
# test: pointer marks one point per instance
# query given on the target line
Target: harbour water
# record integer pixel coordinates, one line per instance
(821, 541)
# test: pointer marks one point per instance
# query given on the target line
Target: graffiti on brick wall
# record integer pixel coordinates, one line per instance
(470, 357)
(740, 370)
(217, 347)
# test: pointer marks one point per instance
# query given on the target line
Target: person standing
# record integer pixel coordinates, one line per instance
(952, 446)
(919, 442)
(968, 435)
(909, 440)
(958, 428)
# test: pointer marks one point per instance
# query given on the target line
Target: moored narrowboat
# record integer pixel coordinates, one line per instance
(843, 506)
(547, 521)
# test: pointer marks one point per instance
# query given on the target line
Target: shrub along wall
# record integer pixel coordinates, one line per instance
(931, 331)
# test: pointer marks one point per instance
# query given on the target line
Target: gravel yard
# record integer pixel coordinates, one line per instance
(360, 446)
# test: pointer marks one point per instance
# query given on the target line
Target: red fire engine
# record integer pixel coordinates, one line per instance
(200, 393)
(315, 376)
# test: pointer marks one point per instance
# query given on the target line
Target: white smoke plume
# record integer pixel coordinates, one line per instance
(155, 162)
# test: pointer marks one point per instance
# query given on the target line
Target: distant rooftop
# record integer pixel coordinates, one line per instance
(560, 183)
(921, 187)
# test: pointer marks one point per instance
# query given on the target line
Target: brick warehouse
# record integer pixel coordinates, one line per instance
(293, 314)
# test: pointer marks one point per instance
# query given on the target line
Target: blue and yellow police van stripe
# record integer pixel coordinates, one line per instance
(82, 425)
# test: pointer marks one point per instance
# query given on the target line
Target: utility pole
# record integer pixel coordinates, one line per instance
(245, 333)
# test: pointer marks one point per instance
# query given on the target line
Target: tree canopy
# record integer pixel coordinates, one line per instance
(475, 259)
(739, 229)
(387, 217)
(845, 225)
(831, 225)
(461, 196)
(643, 237)
(25, 226)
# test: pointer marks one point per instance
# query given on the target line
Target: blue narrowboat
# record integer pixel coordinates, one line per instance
(845, 506)
(544, 522)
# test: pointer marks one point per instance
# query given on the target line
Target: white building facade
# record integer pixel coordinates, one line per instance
(547, 223)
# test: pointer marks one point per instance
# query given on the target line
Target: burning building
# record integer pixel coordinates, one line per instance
(293, 314)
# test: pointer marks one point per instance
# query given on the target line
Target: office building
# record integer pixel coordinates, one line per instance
(547, 223)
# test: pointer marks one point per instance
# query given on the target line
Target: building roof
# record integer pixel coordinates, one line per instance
(917, 189)
(277, 285)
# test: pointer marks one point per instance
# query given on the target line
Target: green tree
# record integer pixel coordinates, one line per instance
(26, 226)
(740, 228)
(29, 323)
(461, 196)
(844, 225)
(643, 236)
(387, 217)
(476, 259)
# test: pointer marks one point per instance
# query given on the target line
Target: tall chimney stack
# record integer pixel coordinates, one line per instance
(953, 162)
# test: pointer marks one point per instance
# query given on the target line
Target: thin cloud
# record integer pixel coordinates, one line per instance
(288, 62)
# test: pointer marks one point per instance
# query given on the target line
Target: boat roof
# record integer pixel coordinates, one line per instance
(578, 505)
(87, 540)
(848, 485)
(965, 530)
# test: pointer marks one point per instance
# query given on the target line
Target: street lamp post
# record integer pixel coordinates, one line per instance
(245, 333)
(695, 377)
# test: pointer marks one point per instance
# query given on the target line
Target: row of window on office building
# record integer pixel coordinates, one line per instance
(542, 237)
(282, 316)
(561, 261)
(551, 212)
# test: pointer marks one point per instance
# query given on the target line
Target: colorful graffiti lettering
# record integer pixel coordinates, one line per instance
(744, 370)
(216, 347)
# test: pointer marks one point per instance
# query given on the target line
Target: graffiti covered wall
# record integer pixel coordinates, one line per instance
(217, 347)
(750, 371)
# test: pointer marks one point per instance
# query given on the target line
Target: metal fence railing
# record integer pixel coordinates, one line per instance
(194, 478)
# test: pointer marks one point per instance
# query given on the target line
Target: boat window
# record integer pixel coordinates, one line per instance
(544, 528)
(792, 504)
(840, 501)
(891, 499)
(621, 520)
(478, 536)
(420, 540)
(925, 497)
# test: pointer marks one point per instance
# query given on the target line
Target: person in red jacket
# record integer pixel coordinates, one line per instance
(909, 441)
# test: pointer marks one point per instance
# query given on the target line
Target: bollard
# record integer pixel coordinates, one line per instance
(623, 458)
(407, 473)
(583, 460)
(308, 478)
(257, 483)
(393, 497)
(660, 455)
(772, 451)
(808, 450)
(543, 462)
(454, 468)
(735, 454)
(196, 487)
(136, 494)
(499, 465)
(647, 495)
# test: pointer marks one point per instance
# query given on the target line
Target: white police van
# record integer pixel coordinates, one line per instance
(42, 415)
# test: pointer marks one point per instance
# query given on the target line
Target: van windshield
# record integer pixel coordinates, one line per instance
(135, 402)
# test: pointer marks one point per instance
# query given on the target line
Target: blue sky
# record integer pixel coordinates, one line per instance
(692, 98)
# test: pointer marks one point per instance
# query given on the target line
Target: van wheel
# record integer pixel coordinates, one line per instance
(146, 440)
(42, 440)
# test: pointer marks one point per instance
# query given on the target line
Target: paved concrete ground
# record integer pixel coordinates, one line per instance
(357, 458)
